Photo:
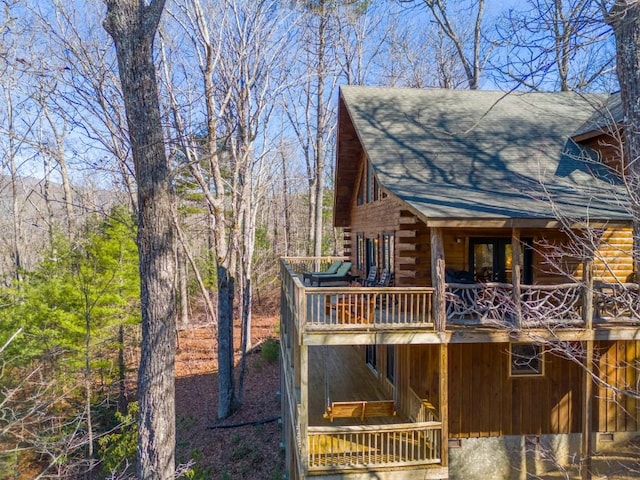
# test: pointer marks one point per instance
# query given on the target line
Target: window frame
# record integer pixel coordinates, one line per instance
(532, 363)
(371, 356)
(390, 364)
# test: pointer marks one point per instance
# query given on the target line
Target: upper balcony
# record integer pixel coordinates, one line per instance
(467, 311)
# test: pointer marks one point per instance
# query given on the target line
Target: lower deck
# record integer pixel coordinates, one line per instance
(340, 374)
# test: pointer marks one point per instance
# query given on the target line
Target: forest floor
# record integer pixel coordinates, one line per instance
(222, 449)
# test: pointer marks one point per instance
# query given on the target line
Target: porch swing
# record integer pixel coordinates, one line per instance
(360, 409)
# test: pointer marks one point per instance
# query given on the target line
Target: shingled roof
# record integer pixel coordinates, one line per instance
(452, 154)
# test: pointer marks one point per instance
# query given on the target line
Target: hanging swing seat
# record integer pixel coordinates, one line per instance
(361, 409)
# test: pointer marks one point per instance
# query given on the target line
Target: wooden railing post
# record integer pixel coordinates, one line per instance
(438, 279)
(516, 271)
(587, 299)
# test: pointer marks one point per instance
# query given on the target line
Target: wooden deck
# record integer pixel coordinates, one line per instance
(349, 379)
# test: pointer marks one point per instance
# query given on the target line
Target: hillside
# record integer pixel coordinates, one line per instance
(226, 451)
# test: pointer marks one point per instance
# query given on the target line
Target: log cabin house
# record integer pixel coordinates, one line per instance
(510, 335)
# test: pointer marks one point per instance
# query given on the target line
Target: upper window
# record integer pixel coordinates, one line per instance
(368, 188)
(526, 359)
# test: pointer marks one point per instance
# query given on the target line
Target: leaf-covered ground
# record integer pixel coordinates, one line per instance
(251, 451)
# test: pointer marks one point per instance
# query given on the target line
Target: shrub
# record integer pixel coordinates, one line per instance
(271, 350)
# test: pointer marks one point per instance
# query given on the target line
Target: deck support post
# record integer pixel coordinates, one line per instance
(587, 408)
(438, 279)
(516, 272)
(444, 403)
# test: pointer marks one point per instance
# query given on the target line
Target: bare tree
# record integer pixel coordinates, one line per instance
(239, 48)
(85, 93)
(467, 39)
(555, 45)
(132, 24)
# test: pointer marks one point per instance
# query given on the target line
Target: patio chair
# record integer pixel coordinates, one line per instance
(386, 279)
(358, 312)
(370, 281)
(342, 275)
(333, 268)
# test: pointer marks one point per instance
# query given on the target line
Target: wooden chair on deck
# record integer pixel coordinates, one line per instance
(359, 311)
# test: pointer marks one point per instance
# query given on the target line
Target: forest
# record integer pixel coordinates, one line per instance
(159, 156)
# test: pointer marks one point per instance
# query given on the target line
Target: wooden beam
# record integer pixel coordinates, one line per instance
(438, 280)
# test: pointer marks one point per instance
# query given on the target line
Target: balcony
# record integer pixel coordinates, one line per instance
(361, 437)
(353, 310)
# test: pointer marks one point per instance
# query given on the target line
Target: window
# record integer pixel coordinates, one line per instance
(387, 251)
(391, 363)
(372, 252)
(371, 356)
(360, 252)
(526, 359)
(368, 186)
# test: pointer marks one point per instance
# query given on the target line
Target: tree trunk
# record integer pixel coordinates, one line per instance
(226, 389)
(320, 127)
(132, 24)
(183, 323)
(624, 18)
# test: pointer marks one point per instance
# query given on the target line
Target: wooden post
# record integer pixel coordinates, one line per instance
(587, 295)
(444, 402)
(438, 279)
(587, 408)
(516, 273)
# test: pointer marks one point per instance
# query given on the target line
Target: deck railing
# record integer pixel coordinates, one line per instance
(406, 444)
(617, 301)
(348, 307)
(473, 303)
(420, 409)
(494, 303)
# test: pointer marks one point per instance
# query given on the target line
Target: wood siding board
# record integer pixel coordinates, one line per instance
(632, 403)
(455, 390)
(620, 425)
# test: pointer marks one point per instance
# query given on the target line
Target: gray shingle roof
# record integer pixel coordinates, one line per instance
(482, 154)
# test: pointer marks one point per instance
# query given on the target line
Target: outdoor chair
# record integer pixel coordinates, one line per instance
(370, 281)
(333, 268)
(342, 275)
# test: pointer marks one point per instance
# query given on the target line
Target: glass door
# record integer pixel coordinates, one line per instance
(491, 260)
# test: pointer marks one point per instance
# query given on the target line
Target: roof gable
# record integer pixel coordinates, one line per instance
(476, 154)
